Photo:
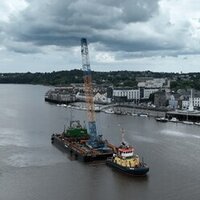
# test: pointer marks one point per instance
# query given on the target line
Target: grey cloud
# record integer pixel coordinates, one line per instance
(21, 47)
(139, 10)
(64, 22)
(121, 55)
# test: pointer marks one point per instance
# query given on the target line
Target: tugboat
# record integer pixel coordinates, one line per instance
(125, 160)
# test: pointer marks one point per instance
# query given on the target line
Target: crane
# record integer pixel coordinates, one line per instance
(95, 139)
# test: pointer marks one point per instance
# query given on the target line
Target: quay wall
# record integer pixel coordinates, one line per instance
(153, 113)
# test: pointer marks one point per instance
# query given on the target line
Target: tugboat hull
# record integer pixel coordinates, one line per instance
(136, 171)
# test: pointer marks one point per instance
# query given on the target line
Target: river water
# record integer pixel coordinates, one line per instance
(33, 169)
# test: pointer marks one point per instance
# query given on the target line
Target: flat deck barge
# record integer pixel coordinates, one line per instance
(78, 147)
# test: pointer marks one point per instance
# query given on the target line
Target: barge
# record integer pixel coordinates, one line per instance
(75, 141)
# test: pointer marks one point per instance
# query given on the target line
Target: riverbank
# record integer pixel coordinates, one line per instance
(116, 109)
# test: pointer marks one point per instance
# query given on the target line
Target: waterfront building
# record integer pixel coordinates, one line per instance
(160, 99)
(147, 92)
(195, 101)
(173, 103)
(191, 101)
(60, 95)
(98, 97)
(126, 94)
(150, 86)
(131, 94)
(101, 98)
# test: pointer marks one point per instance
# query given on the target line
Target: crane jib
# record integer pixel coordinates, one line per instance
(95, 140)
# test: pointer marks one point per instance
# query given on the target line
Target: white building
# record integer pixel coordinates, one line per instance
(133, 94)
(129, 93)
(98, 98)
(101, 98)
(148, 91)
(195, 100)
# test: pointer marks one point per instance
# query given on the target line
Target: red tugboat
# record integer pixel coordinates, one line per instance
(125, 160)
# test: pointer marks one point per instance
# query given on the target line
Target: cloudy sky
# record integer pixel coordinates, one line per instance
(156, 35)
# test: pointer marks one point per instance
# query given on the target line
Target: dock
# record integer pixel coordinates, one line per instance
(193, 116)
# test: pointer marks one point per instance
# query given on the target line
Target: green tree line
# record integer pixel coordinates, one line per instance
(115, 78)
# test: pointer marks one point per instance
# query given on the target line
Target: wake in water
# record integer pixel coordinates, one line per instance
(179, 134)
(144, 139)
(31, 157)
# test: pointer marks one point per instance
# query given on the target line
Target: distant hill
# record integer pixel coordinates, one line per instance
(115, 78)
